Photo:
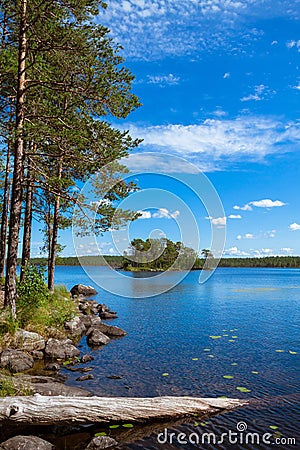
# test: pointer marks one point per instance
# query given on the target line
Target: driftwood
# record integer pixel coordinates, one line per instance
(42, 410)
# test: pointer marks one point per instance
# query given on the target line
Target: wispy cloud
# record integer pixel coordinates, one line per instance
(261, 92)
(265, 203)
(294, 44)
(151, 29)
(243, 138)
(163, 80)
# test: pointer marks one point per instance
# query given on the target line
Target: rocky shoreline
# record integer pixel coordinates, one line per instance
(59, 352)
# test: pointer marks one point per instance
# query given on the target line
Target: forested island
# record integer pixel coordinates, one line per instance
(163, 254)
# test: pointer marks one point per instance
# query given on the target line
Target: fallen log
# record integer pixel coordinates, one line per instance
(44, 410)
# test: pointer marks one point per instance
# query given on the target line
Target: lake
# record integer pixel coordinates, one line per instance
(242, 323)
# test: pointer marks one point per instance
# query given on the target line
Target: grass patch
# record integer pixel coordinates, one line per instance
(37, 309)
(11, 388)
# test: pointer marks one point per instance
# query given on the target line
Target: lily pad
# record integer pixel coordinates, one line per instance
(206, 349)
(127, 425)
(225, 335)
(243, 389)
(273, 427)
(100, 434)
(195, 359)
(292, 353)
(228, 377)
(211, 356)
(203, 424)
(112, 427)
(234, 337)
(222, 396)
(234, 364)
(215, 337)
(254, 372)
(230, 340)
(196, 424)
(279, 351)
(165, 374)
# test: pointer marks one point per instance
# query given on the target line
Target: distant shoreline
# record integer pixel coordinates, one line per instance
(117, 262)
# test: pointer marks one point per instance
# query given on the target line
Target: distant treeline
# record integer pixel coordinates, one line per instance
(118, 261)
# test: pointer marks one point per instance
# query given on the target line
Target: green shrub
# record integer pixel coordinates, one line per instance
(32, 290)
(10, 387)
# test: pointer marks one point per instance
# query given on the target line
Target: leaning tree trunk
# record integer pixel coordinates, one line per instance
(4, 218)
(54, 237)
(16, 201)
(42, 410)
(27, 219)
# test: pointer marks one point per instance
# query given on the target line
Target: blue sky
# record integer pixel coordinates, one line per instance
(220, 85)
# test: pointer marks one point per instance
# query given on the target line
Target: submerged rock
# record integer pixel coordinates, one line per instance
(87, 358)
(60, 349)
(26, 443)
(81, 289)
(16, 360)
(101, 442)
(50, 386)
(90, 376)
(29, 341)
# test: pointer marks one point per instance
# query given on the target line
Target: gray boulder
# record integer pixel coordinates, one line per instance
(29, 341)
(60, 349)
(81, 289)
(96, 337)
(101, 442)
(16, 360)
(75, 326)
(26, 443)
(88, 307)
(37, 354)
(111, 330)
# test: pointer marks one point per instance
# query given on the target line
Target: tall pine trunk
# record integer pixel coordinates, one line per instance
(27, 218)
(55, 226)
(16, 201)
(4, 218)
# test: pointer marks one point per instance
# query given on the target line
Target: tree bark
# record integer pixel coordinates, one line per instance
(27, 218)
(42, 410)
(16, 201)
(55, 226)
(4, 218)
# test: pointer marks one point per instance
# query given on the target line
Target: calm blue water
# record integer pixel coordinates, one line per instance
(255, 311)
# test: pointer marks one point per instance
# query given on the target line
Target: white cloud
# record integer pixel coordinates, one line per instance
(265, 203)
(297, 87)
(164, 213)
(264, 252)
(286, 250)
(219, 222)
(216, 142)
(247, 207)
(163, 80)
(245, 236)
(294, 226)
(144, 214)
(226, 75)
(234, 216)
(234, 251)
